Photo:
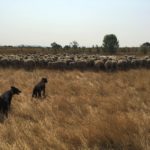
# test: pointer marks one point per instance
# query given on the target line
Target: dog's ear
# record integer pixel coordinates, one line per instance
(12, 87)
(44, 79)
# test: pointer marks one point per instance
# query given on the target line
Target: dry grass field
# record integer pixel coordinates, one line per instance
(82, 111)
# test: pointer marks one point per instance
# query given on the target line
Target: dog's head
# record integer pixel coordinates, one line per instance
(44, 80)
(15, 90)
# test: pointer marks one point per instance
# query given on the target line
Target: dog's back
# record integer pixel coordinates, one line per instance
(6, 95)
(39, 87)
(5, 99)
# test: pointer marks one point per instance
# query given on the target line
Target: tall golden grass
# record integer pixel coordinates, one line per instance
(82, 111)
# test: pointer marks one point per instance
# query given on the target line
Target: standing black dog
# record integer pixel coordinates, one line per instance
(5, 100)
(39, 88)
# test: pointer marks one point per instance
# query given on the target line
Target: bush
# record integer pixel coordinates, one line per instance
(110, 43)
(145, 47)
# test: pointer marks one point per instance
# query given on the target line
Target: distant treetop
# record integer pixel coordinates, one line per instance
(110, 43)
(146, 44)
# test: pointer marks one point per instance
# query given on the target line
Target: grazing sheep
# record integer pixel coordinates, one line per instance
(108, 65)
(61, 64)
(57, 65)
(68, 60)
(81, 64)
(39, 88)
(90, 62)
(148, 63)
(99, 64)
(51, 65)
(122, 64)
(73, 61)
(146, 57)
(16, 62)
(5, 100)
(29, 64)
(142, 62)
(72, 65)
(114, 65)
(4, 62)
(134, 63)
(42, 63)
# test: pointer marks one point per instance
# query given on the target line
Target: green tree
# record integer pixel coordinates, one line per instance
(67, 47)
(145, 47)
(56, 46)
(74, 44)
(110, 43)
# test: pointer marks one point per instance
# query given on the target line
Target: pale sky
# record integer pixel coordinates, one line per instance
(41, 22)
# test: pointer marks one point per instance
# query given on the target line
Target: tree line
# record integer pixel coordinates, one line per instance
(110, 45)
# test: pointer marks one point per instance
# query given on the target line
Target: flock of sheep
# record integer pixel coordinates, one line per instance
(83, 62)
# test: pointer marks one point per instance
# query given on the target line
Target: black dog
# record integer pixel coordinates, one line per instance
(39, 88)
(5, 99)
